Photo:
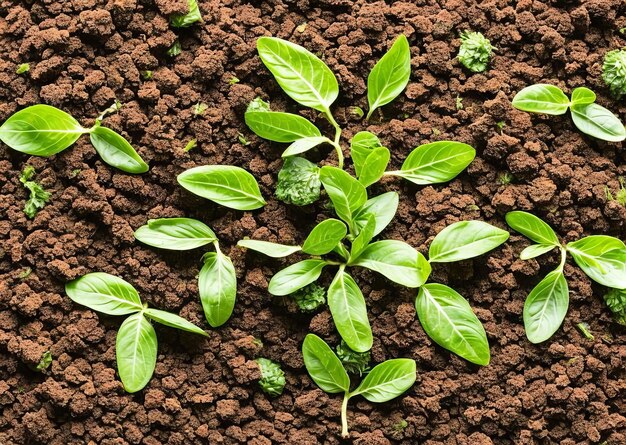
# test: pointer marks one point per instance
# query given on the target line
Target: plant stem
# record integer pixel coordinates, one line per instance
(344, 416)
(335, 143)
(563, 258)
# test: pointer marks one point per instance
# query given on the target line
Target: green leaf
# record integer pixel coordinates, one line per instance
(136, 352)
(366, 233)
(465, 239)
(397, 261)
(374, 166)
(38, 197)
(390, 75)
(280, 127)
(347, 306)
(535, 250)
(324, 237)
(597, 121)
(298, 182)
(532, 227)
(448, 319)
(387, 380)
(40, 130)
(217, 285)
(301, 74)
(270, 249)
(186, 20)
(295, 277)
(546, 306)
(361, 145)
(226, 185)
(383, 207)
(304, 144)
(583, 96)
(175, 233)
(346, 193)
(173, 321)
(104, 293)
(542, 98)
(116, 151)
(436, 162)
(324, 366)
(602, 258)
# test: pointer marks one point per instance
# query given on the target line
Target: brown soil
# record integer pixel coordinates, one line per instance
(86, 53)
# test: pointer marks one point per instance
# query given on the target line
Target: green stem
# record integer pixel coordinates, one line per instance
(335, 143)
(563, 258)
(344, 416)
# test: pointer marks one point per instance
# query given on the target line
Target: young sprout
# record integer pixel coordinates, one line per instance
(357, 112)
(310, 297)
(186, 20)
(38, 196)
(193, 143)
(147, 74)
(175, 49)
(298, 182)
(620, 196)
(233, 80)
(505, 178)
(501, 125)
(22, 68)
(199, 109)
(584, 329)
(272, 379)
(475, 51)
(614, 72)
(242, 139)
(353, 362)
(44, 363)
(615, 299)
(459, 103)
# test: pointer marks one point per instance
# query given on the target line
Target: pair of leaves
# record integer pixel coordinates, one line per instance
(217, 281)
(384, 382)
(42, 130)
(226, 185)
(136, 343)
(589, 117)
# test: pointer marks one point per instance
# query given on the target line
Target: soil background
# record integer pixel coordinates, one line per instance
(86, 53)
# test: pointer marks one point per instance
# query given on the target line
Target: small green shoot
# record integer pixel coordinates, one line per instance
(310, 297)
(400, 426)
(459, 103)
(585, 330)
(357, 112)
(356, 363)
(620, 196)
(38, 196)
(45, 362)
(192, 16)
(199, 109)
(615, 299)
(500, 125)
(475, 51)
(193, 143)
(22, 68)
(147, 75)
(25, 273)
(272, 380)
(242, 139)
(175, 49)
(233, 80)
(505, 178)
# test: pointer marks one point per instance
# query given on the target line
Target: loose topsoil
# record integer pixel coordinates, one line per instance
(86, 53)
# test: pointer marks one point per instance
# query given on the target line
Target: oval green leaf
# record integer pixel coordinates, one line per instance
(280, 127)
(390, 75)
(136, 352)
(173, 321)
(374, 166)
(382, 207)
(305, 144)
(217, 285)
(346, 193)
(324, 237)
(397, 261)
(347, 306)
(186, 20)
(532, 227)
(300, 73)
(361, 145)
(268, 248)
(436, 162)
(40, 130)
(597, 121)
(366, 233)
(545, 307)
(448, 319)
(602, 258)
(116, 151)
(535, 250)
(465, 239)
(583, 96)
(226, 185)
(104, 293)
(175, 233)
(542, 98)
(387, 380)
(324, 366)
(295, 277)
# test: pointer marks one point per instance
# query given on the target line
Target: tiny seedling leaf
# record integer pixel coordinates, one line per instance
(382, 207)
(188, 19)
(583, 96)
(374, 166)
(324, 237)
(465, 239)
(534, 250)
(295, 277)
(324, 366)
(346, 193)
(542, 98)
(277, 126)
(304, 144)
(387, 380)
(361, 145)
(217, 285)
(602, 258)
(366, 233)
(116, 151)
(175, 233)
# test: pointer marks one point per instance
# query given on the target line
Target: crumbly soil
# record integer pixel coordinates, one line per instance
(86, 53)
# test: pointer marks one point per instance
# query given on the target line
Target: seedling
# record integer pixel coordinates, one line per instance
(357, 112)
(310, 297)
(352, 361)
(505, 178)
(44, 362)
(175, 49)
(475, 51)
(459, 103)
(25, 273)
(444, 314)
(217, 281)
(620, 196)
(193, 143)
(614, 72)
(38, 196)
(615, 299)
(136, 343)
(501, 125)
(188, 19)
(602, 258)
(233, 80)
(589, 117)
(242, 139)
(272, 380)
(199, 109)
(22, 68)
(584, 329)
(147, 75)
(42, 130)
(384, 382)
